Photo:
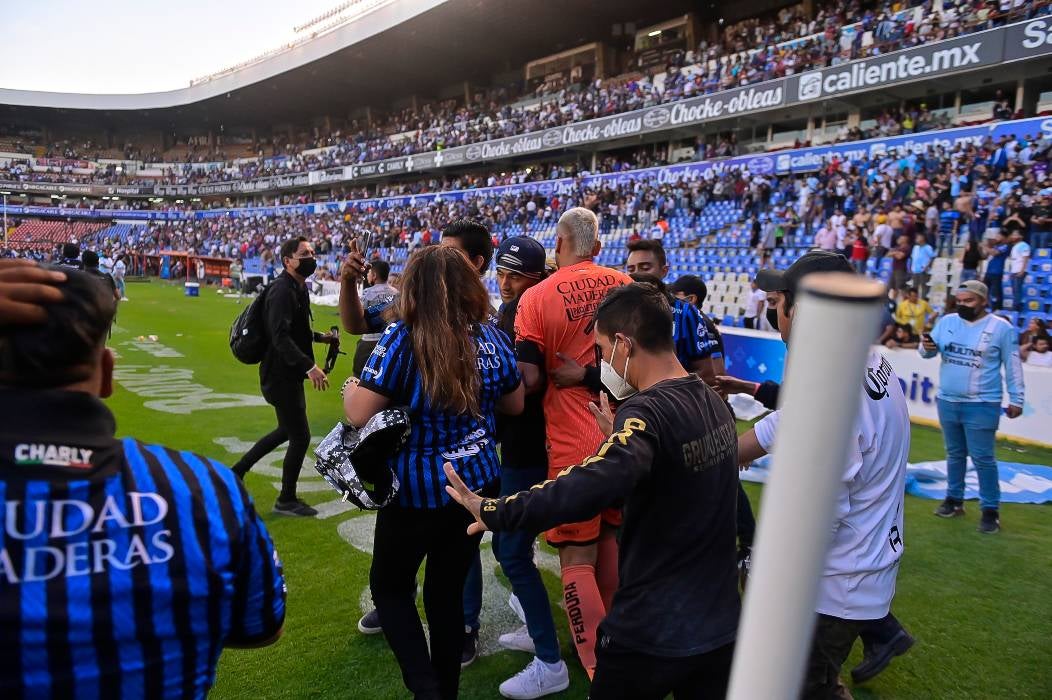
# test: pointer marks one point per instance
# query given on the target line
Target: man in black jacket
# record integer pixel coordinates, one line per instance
(670, 460)
(289, 359)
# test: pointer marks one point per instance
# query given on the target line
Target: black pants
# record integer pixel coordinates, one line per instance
(404, 537)
(750, 322)
(834, 637)
(631, 675)
(879, 632)
(290, 405)
(746, 520)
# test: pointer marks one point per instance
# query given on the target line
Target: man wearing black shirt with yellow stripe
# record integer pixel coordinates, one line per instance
(670, 459)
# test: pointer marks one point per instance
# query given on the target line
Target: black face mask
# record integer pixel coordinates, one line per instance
(967, 313)
(772, 318)
(306, 267)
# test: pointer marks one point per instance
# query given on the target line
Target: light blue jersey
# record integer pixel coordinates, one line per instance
(972, 356)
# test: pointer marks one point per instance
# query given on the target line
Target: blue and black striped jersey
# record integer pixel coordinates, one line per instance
(436, 435)
(692, 339)
(124, 567)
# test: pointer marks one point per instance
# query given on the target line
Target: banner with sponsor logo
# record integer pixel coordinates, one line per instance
(805, 159)
(758, 356)
(928, 62)
(1027, 39)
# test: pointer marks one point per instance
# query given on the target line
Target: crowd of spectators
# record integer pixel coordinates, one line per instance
(746, 53)
(897, 205)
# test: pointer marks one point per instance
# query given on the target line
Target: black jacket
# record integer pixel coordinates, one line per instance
(290, 350)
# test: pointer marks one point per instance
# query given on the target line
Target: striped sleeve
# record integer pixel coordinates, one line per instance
(509, 369)
(259, 600)
(385, 369)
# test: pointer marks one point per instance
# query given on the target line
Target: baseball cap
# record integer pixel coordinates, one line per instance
(813, 261)
(523, 255)
(975, 287)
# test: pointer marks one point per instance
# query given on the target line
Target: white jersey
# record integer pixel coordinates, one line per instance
(858, 582)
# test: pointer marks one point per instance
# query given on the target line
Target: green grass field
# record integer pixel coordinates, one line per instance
(980, 607)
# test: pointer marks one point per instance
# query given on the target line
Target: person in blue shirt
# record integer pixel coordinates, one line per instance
(920, 264)
(995, 250)
(949, 223)
(974, 346)
(453, 371)
(125, 567)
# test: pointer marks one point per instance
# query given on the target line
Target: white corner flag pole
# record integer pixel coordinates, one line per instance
(832, 332)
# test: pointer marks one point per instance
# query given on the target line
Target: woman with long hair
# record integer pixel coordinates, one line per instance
(451, 370)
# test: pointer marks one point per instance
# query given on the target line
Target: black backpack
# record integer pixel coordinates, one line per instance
(248, 335)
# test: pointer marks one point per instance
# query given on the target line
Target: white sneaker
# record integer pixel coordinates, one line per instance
(519, 640)
(535, 681)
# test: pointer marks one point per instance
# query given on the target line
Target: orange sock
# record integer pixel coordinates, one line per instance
(606, 576)
(584, 609)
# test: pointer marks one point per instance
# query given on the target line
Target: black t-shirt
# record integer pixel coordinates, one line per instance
(673, 462)
(522, 437)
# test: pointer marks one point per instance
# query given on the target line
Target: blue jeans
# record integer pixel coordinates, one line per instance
(946, 239)
(1040, 239)
(968, 429)
(514, 551)
(967, 274)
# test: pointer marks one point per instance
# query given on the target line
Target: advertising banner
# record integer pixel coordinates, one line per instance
(758, 356)
(928, 62)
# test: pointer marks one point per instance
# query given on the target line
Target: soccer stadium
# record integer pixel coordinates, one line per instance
(271, 238)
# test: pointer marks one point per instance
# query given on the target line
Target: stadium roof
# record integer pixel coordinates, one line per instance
(403, 48)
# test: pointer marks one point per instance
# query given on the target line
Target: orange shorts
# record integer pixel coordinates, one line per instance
(582, 533)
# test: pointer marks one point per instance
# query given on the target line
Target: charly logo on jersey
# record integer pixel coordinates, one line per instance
(656, 118)
(552, 138)
(27, 454)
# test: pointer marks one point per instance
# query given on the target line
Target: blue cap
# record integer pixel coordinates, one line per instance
(523, 255)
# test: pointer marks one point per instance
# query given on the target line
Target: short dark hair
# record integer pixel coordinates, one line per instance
(640, 311)
(60, 351)
(474, 238)
(690, 284)
(89, 258)
(289, 247)
(382, 269)
(649, 244)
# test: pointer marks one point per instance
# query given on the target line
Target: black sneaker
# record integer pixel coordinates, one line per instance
(370, 623)
(990, 522)
(875, 659)
(950, 508)
(744, 565)
(471, 647)
(296, 508)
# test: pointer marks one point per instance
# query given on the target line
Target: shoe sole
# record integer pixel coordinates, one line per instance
(369, 630)
(552, 691)
(465, 664)
(293, 514)
(512, 647)
(898, 649)
(989, 532)
(954, 514)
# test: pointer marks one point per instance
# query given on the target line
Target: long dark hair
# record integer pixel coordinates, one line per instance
(442, 301)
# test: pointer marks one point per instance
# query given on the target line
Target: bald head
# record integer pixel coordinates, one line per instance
(578, 236)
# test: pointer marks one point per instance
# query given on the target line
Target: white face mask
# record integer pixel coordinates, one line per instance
(616, 384)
